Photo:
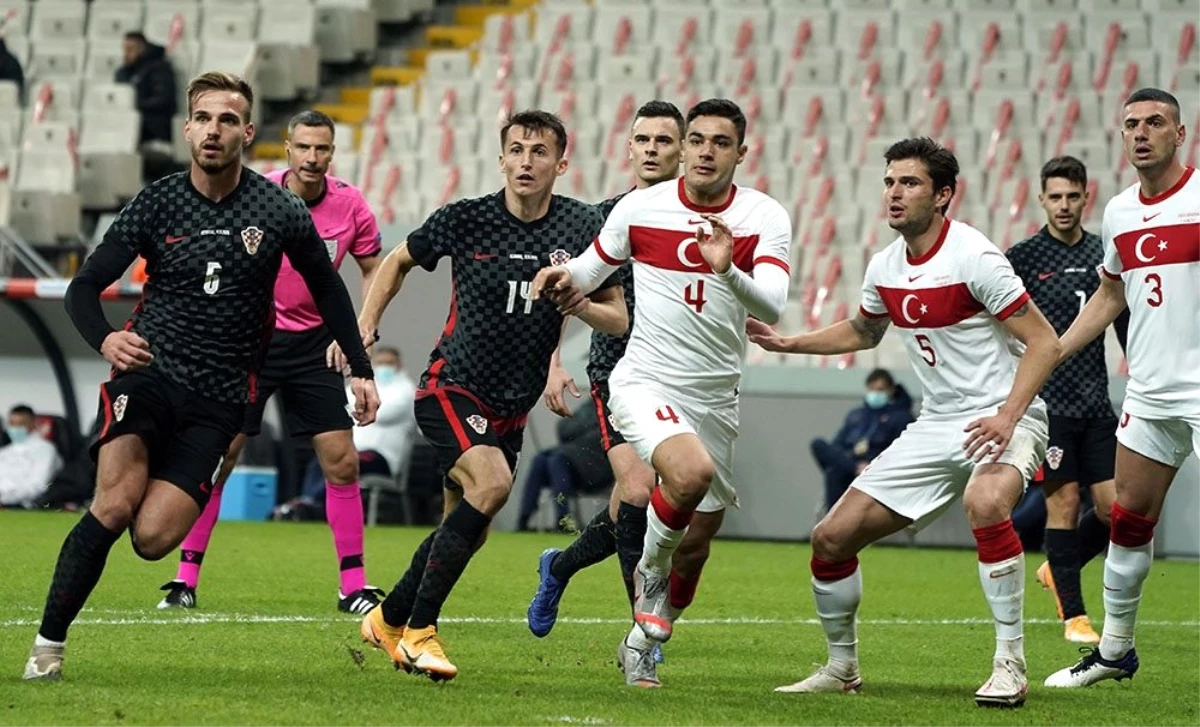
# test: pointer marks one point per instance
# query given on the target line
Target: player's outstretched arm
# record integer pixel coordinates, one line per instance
(856, 334)
(605, 311)
(387, 281)
(1104, 308)
(1042, 348)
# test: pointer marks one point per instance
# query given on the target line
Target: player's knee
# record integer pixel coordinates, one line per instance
(113, 513)
(691, 480)
(490, 495)
(986, 506)
(1065, 500)
(342, 469)
(828, 543)
(152, 544)
(636, 490)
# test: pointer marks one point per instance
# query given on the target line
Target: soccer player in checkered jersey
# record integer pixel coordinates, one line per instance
(295, 367)
(489, 368)
(981, 433)
(655, 145)
(706, 254)
(1058, 266)
(1151, 235)
(185, 365)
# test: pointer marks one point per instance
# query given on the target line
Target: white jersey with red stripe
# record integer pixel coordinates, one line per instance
(1153, 246)
(689, 332)
(948, 306)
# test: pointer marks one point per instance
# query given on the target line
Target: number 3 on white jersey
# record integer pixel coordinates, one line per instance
(212, 279)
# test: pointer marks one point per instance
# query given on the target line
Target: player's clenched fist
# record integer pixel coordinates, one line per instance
(126, 351)
(366, 400)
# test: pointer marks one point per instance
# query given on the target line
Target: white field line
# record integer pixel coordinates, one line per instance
(112, 617)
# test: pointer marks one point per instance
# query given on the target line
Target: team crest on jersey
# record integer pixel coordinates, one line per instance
(252, 238)
(331, 248)
(559, 257)
(478, 423)
(1054, 457)
(119, 406)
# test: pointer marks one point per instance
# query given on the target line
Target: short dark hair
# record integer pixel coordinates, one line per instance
(939, 161)
(138, 36)
(536, 120)
(1155, 94)
(220, 81)
(657, 109)
(389, 349)
(723, 108)
(311, 117)
(21, 409)
(881, 375)
(1065, 167)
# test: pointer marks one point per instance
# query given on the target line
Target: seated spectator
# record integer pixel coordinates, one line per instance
(867, 431)
(10, 68)
(577, 464)
(147, 69)
(28, 463)
(381, 446)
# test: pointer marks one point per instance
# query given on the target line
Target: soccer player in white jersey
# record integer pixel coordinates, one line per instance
(706, 254)
(1151, 235)
(982, 431)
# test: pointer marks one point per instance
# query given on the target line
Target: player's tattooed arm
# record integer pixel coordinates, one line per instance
(856, 334)
(870, 330)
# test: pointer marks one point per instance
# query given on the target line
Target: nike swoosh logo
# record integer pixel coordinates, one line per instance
(172, 239)
(1111, 589)
(484, 256)
(913, 278)
(695, 222)
(1046, 276)
(1147, 218)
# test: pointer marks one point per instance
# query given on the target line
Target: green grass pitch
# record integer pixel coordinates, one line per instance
(267, 646)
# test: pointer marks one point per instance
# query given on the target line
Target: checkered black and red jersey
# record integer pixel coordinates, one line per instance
(207, 308)
(1061, 278)
(497, 342)
(606, 350)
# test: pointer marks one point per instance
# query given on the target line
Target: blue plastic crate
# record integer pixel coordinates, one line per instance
(249, 493)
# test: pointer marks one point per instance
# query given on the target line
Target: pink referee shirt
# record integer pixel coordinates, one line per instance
(347, 225)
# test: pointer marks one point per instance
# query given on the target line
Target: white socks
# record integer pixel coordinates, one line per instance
(837, 605)
(660, 544)
(40, 640)
(1125, 570)
(1004, 588)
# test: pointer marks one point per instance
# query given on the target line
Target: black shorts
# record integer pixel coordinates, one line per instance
(186, 435)
(609, 436)
(1081, 450)
(314, 396)
(453, 420)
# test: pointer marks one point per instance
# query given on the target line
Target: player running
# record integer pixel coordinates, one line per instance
(706, 254)
(981, 434)
(1058, 266)
(489, 367)
(185, 365)
(295, 366)
(1151, 265)
(654, 149)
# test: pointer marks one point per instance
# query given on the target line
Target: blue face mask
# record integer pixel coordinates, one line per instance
(17, 434)
(876, 399)
(385, 374)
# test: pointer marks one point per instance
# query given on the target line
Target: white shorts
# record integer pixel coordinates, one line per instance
(926, 468)
(1162, 440)
(646, 416)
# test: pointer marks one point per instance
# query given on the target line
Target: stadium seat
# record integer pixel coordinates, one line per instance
(58, 19)
(110, 169)
(346, 30)
(58, 58)
(448, 64)
(682, 26)
(14, 17)
(167, 21)
(103, 59)
(229, 22)
(622, 29)
(111, 19)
